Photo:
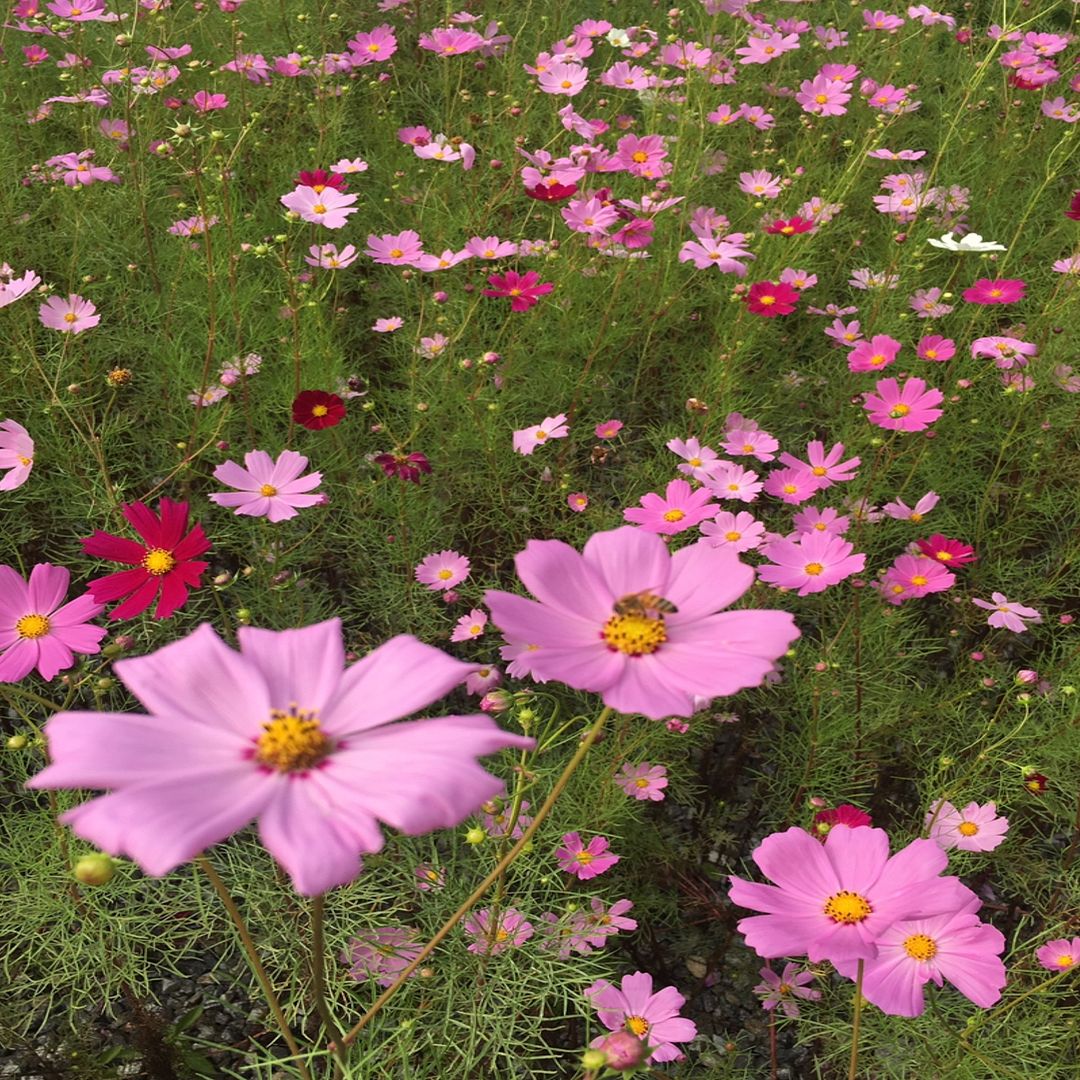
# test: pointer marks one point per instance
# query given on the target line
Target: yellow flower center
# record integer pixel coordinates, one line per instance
(821, 98)
(32, 626)
(783, 989)
(445, 575)
(502, 935)
(915, 516)
(292, 741)
(638, 1025)
(318, 188)
(158, 561)
(639, 156)
(24, 461)
(675, 515)
(748, 448)
(732, 536)
(967, 828)
(489, 253)
(70, 317)
(813, 569)
(931, 354)
(1064, 961)
(373, 48)
(396, 253)
(268, 491)
(787, 230)
(767, 300)
(319, 410)
(995, 292)
(584, 857)
(920, 947)
(877, 359)
(566, 84)
(847, 907)
(635, 635)
(945, 556)
(899, 410)
(791, 489)
(318, 208)
(641, 782)
(919, 580)
(695, 461)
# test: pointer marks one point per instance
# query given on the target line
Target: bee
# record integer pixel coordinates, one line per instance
(645, 605)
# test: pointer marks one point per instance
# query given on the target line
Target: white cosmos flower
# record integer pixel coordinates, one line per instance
(971, 242)
(619, 38)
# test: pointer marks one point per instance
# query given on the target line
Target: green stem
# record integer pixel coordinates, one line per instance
(560, 784)
(253, 959)
(318, 980)
(853, 1065)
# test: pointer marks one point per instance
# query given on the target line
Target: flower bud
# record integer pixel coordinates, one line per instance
(17, 742)
(592, 1060)
(624, 1050)
(96, 869)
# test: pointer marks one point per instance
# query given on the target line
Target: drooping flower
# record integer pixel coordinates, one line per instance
(641, 659)
(268, 488)
(13, 288)
(37, 629)
(16, 454)
(316, 409)
(381, 954)
(443, 570)
(783, 988)
(643, 782)
(900, 510)
(585, 861)
(528, 439)
(280, 732)
(652, 1017)
(678, 509)
(995, 291)
(165, 565)
(522, 290)
(912, 407)
(510, 931)
(70, 316)
(1006, 616)
(975, 828)
(1061, 954)
(327, 256)
(833, 901)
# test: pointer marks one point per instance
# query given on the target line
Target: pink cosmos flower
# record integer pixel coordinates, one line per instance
(589, 216)
(510, 931)
(822, 521)
(490, 247)
(608, 429)
(926, 303)
(995, 291)
(731, 481)
(202, 101)
(449, 41)
(956, 946)
(707, 251)
(763, 50)
(873, 355)
(442, 571)
(327, 256)
(402, 249)
(81, 10)
(936, 348)
(328, 207)
(823, 97)
(761, 183)
(739, 532)
(642, 155)
(388, 326)
(482, 680)
(70, 316)
(1006, 352)
(280, 732)
(1059, 954)
(914, 576)
(910, 408)
(781, 989)
(37, 629)
(743, 442)
(470, 626)
(810, 563)
(528, 439)
(902, 512)
(643, 782)
(641, 661)
(678, 509)
(578, 501)
(826, 468)
(13, 288)
(975, 828)
(16, 454)
(652, 1017)
(585, 861)
(268, 488)
(948, 551)
(1006, 616)
(792, 485)
(834, 901)
(381, 954)
(374, 46)
(566, 79)
(522, 290)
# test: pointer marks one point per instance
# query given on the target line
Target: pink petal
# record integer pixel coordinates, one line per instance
(592, 667)
(54, 656)
(301, 667)
(260, 465)
(629, 560)
(771, 936)
(798, 863)
(18, 661)
(525, 620)
(920, 859)
(14, 595)
(894, 983)
(646, 688)
(858, 856)
(637, 993)
(303, 483)
(228, 472)
(279, 510)
(234, 498)
(560, 578)
(76, 612)
(48, 587)
(289, 466)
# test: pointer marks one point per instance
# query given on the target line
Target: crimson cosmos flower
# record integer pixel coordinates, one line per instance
(553, 192)
(164, 565)
(406, 466)
(316, 409)
(522, 290)
(1074, 207)
(771, 299)
(320, 180)
(796, 225)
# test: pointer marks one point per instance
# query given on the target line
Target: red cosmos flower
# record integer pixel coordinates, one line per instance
(790, 228)
(316, 409)
(523, 290)
(320, 180)
(1036, 783)
(405, 466)
(553, 192)
(1074, 207)
(949, 552)
(844, 814)
(995, 291)
(165, 565)
(769, 299)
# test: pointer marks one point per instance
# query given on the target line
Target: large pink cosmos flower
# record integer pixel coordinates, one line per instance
(641, 659)
(281, 732)
(268, 488)
(833, 901)
(16, 454)
(635, 1008)
(678, 509)
(70, 316)
(37, 629)
(912, 407)
(975, 828)
(328, 207)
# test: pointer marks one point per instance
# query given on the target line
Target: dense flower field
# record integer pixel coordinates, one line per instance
(540, 540)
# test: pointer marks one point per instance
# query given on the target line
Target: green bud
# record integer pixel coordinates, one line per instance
(592, 1060)
(97, 869)
(475, 836)
(17, 742)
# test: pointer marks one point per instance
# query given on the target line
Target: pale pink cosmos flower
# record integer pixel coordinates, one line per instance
(381, 954)
(589, 216)
(750, 442)
(652, 1017)
(211, 395)
(640, 659)
(731, 481)
(578, 501)
(912, 407)
(482, 680)
(566, 79)
(528, 439)
(402, 249)
(37, 629)
(70, 316)
(268, 488)
(349, 165)
(697, 459)
(470, 626)
(511, 930)
(975, 828)
(327, 256)
(16, 454)
(902, 512)
(781, 989)
(792, 484)
(708, 251)
(739, 532)
(1006, 616)
(678, 509)
(328, 207)
(280, 732)
(1006, 352)
(643, 782)
(763, 50)
(823, 97)
(388, 325)
(449, 41)
(761, 183)
(811, 563)
(827, 520)
(873, 355)
(13, 288)
(1061, 954)
(825, 467)
(585, 861)
(443, 570)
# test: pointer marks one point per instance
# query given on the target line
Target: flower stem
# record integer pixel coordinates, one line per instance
(318, 980)
(853, 1066)
(478, 892)
(253, 959)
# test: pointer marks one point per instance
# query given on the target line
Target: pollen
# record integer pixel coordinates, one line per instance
(768, 301)
(70, 317)
(641, 782)
(918, 580)
(445, 575)
(292, 741)
(640, 156)
(1064, 961)
(967, 828)
(584, 857)
(813, 569)
(318, 208)
(732, 536)
(638, 1025)
(396, 253)
(675, 515)
(319, 410)
(920, 947)
(268, 491)
(32, 627)
(635, 635)
(158, 561)
(847, 907)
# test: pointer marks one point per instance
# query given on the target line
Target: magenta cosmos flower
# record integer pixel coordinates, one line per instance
(995, 291)
(597, 626)
(653, 1018)
(280, 732)
(1061, 954)
(912, 407)
(975, 828)
(16, 454)
(522, 290)
(643, 782)
(268, 488)
(678, 509)
(833, 901)
(70, 316)
(781, 989)
(810, 563)
(165, 566)
(37, 629)
(511, 931)
(1006, 616)
(585, 861)
(443, 570)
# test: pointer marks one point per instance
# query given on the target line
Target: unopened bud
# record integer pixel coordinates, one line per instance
(97, 869)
